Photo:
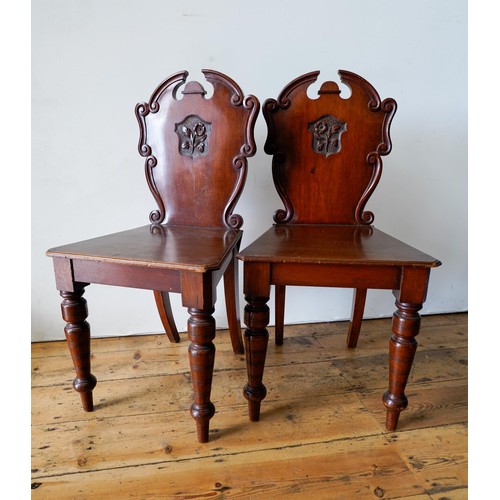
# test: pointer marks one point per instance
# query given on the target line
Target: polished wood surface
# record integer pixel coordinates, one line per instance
(162, 246)
(191, 142)
(333, 244)
(164, 307)
(322, 432)
(327, 161)
(327, 151)
(196, 153)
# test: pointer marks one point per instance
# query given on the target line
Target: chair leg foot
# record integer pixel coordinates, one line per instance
(201, 332)
(202, 415)
(402, 348)
(254, 410)
(392, 414)
(77, 331)
(256, 340)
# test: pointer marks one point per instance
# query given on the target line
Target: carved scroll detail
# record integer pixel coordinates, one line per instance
(194, 135)
(251, 103)
(141, 111)
(326, 134)
(156, 216)
(272, 106)
(281, 216)
(215, 77)
(368, 217)
(308, 78)
(388, 107)
(235, 221)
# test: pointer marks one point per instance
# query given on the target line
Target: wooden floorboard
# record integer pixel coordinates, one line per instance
(321, 431)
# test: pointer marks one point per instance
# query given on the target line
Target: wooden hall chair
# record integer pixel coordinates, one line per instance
(196, 151)
(326, 164)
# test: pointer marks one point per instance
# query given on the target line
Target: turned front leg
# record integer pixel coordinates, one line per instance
(256, 340)
(77, 331)
(201, 332)
(402, 347)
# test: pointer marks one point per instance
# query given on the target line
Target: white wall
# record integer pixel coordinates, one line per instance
(93, 60)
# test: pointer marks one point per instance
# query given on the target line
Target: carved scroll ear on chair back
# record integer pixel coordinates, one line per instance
(196, 151)
(327, 160)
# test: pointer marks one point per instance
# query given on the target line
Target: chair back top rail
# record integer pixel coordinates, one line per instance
(196, 149)
(327, 151)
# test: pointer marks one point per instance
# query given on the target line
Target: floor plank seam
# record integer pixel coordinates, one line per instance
(220, 407)
(219, 455)
(305, 423)
(163, 463)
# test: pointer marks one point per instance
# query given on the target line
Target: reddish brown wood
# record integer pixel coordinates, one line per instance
(257, 278)
(256, 340)
(212, 140)
(77, 331)
(196, 153)
(199, 295)
(318, 186)
(279, 304)
(358, 306)
(164, 307)
(63, 271)
(326, 164)
(402, 346)
(177, 180)
(201, 332)
(232, 294)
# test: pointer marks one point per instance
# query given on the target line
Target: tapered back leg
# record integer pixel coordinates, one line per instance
(358, 308)
(167, 318)
(280, 293)
(231, 293)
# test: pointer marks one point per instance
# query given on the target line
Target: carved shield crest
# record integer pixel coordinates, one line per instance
(326, 132)
(193, 135)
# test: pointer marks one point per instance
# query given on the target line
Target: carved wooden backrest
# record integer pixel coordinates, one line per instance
(327, 151)
(196, 149)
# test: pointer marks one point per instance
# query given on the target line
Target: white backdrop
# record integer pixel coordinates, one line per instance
(93, 60)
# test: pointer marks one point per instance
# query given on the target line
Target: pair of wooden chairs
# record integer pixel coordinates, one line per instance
(326, 164)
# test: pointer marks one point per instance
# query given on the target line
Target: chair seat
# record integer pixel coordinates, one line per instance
(198, 249)
(333, 244)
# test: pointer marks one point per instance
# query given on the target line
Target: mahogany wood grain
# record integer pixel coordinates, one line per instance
(196, 152)
(279, 304)
(164, 307)
(210, 145)
(232, 296)
(326, 164)
(77, 331)
(358, 306)
(178, 175)
(201, 331)
(325, 172)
